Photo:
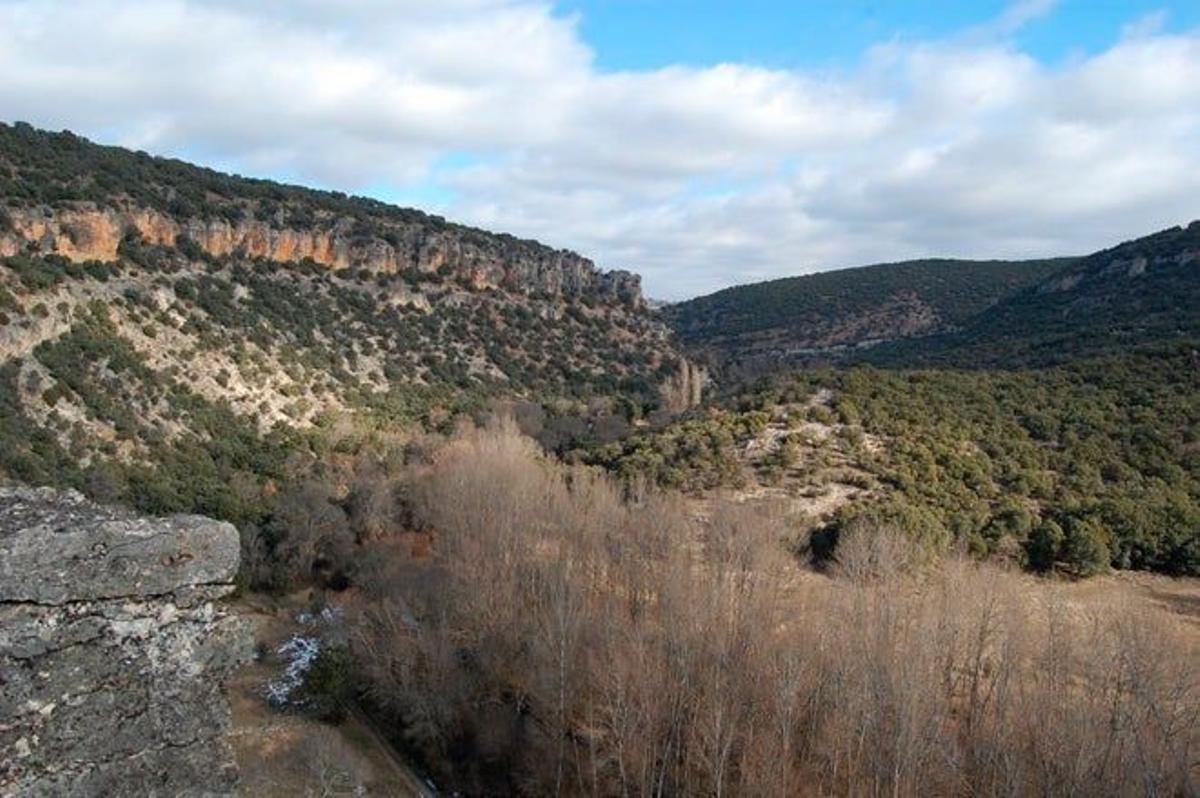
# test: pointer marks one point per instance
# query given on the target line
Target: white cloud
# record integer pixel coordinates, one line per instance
(1020, 13)
(697, 177)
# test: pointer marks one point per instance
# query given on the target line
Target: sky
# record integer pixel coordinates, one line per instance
(702, 143)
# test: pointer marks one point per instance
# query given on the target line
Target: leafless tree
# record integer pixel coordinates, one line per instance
(566, 638)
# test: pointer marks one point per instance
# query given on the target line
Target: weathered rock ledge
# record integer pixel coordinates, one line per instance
(112, 650)
(86, 232)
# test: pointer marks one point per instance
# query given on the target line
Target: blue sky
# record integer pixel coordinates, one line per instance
(644, 34)
(701, 144)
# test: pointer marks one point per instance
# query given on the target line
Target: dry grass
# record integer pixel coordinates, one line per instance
(290, 754)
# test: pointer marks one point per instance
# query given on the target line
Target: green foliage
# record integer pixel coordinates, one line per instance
(329, 685)
(1106, 450)
(8, 301)
(1141, 293)
(1044, 545)
(43, 272)
(1085, 546)
(37, 274)
(806, 307)
(1081, 467)
(690, 455)
(919, 523)
(202, 471)
(29, 452)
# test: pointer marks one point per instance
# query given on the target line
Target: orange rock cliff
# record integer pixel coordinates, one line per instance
(86, 232)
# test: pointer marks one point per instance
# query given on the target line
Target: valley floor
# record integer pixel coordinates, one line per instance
(286, 753)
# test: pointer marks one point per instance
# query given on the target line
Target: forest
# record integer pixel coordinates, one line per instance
(1083, 467)
(542, 630)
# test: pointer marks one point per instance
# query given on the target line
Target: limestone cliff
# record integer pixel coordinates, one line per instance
(86, 231)
(112, 650)
(684, 389)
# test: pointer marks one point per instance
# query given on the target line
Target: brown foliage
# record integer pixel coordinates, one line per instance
(561, 639)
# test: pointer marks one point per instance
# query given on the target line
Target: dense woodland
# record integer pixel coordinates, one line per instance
(800, 309)
(1084, 467)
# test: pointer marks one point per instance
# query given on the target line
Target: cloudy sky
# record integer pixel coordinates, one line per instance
(702, 143)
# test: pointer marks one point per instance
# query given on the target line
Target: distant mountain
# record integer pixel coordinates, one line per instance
(829, 312)
(1144, 292)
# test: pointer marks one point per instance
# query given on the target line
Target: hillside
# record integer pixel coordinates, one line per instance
(830, 311)
(956, 313)
(1080, 467)
(1054, 423)
(169, 333)
(1144, 292)
(78, 199)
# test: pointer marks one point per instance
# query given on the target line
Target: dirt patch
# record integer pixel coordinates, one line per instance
(287, 753)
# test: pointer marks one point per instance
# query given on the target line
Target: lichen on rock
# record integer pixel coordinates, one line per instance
(113, 649)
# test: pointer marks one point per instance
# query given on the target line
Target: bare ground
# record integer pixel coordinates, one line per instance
(281, 753)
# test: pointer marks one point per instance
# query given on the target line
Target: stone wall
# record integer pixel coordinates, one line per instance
(113, 649)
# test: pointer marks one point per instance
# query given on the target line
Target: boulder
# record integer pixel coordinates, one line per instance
(113, 649)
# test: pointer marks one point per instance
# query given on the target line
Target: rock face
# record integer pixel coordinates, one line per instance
(685, 388)
(112, 651)
(87, 232)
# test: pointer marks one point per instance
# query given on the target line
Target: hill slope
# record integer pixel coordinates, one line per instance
(958, 313)
(834, 310)
(1056, 426)
(1141, 292)
(165, 329)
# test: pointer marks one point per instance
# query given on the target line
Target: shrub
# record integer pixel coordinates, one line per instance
(1085, 546)
(1044, 544)
(329, 684)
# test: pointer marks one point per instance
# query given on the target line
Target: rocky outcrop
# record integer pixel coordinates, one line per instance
(87, 232)
(113, 650)
(684, 389)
